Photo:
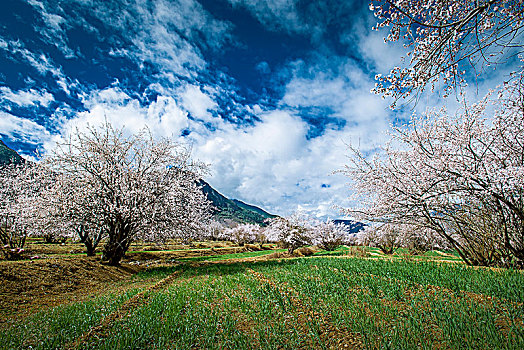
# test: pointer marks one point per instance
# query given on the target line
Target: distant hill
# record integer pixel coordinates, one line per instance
(234, 209)
(253, 208)
(8, 156)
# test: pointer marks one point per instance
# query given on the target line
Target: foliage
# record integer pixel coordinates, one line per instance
(386, 237)
(443, 38)
(299, 230)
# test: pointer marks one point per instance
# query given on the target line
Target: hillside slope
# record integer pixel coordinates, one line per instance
(234, 209)
(7, 155)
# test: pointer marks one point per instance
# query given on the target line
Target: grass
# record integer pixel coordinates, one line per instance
(317, 302)
(58, 326)
(384, 304)
(390, 302)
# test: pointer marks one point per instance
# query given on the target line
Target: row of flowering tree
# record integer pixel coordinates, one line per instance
(18, 190)
(103, 186)
(388, 237)
(292, 232)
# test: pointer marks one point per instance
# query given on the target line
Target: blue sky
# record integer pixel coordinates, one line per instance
(269, 93)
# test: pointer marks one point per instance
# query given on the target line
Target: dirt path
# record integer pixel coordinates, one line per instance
(100, 331)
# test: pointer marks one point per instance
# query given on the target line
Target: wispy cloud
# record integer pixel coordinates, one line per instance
(41, 62)
(26, 98)
(53, 27)
(22, 129)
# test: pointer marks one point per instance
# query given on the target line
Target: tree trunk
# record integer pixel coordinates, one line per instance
(49, 239)
(87, 241)
(113, 253)
(90, 249)
(119, 241)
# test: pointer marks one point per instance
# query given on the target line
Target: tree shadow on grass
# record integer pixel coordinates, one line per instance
(197, 269)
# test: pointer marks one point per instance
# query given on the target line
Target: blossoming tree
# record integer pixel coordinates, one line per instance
(460, 176)
(292, 232)
(328, 235)
(242, 234)
(20, 188)
(124, 188)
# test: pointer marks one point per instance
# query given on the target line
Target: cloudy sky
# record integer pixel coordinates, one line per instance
(269, 92)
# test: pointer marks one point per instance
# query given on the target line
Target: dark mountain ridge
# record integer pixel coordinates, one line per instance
(234, 209)
(9, 156)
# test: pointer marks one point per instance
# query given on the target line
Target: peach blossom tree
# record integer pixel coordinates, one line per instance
(123, 188)
(461, 176)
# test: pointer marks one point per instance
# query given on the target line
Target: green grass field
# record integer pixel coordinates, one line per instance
(318, 302)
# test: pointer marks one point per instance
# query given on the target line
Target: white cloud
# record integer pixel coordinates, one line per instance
(341, 86)
(26, 98)
(310, 19)
(273, 164)
(197, 102)
(163, 117)
(164, 33)
(244, 160)
(22, 129)
(53, 31)
(275, 14)
(42, 63)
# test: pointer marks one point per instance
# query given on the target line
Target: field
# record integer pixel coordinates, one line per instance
(217, 296)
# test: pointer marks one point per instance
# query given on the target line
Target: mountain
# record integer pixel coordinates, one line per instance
(253, 208)
(234, 209)
(8, 156)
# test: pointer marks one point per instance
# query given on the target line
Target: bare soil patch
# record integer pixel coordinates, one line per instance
(30, 285)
